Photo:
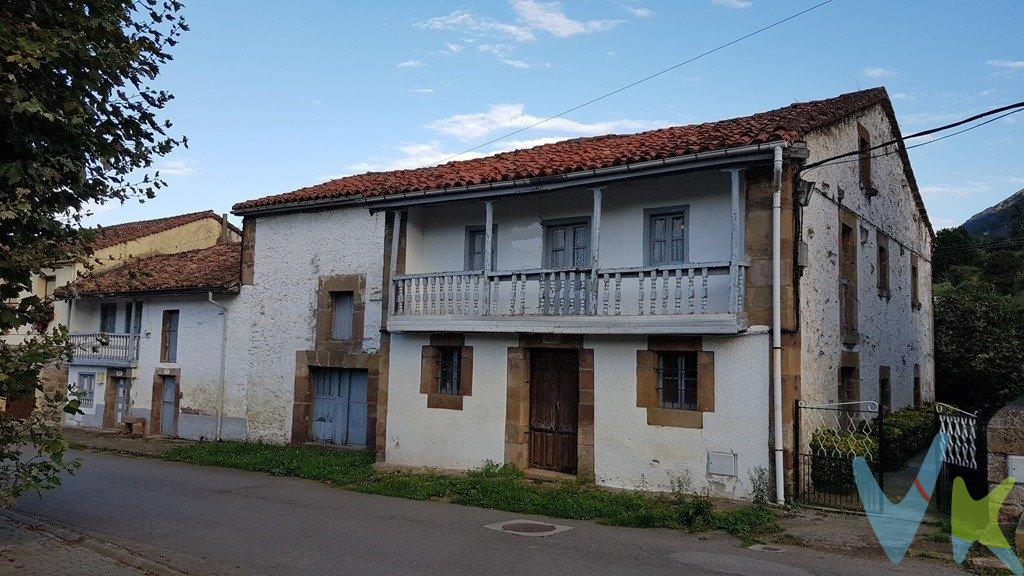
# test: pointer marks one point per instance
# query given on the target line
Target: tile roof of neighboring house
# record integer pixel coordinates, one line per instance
(217, 268)
(107, 236)
(790, 124)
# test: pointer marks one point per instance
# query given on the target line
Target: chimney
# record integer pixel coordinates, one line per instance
(225, 234)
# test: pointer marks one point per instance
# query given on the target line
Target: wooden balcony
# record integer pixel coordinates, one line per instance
(693, 298)
(99, 349)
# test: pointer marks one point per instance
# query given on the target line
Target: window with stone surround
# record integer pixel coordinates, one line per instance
(675, 381)
(882, 266)
(864, 158)
(446, 371)
(915, 282)
(341, 311)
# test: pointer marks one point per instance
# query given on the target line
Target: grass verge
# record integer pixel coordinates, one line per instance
(493, 486)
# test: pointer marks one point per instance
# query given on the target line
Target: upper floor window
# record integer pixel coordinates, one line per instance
(132, 317)
(915, 289)
(476, 243)
(677, 380)
(883, 264)
(666, 236)
(341, 325)
(449, 370)
(108, 318)
(567, 245)
(864, 149)
(49, 286)
(169, 340)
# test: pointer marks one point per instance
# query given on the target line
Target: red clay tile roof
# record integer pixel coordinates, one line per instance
(217, 268)
(789, 124)
(108, 236)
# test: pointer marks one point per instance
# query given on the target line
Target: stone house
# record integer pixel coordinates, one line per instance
(640, 310)
(151, 339)
(112, 247)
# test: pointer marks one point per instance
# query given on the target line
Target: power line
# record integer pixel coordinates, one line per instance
(640, 81)
(838, 159)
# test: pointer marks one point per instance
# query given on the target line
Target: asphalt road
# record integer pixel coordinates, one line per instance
(214, 521)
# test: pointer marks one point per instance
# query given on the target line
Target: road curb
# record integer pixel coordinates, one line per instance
(94, 544)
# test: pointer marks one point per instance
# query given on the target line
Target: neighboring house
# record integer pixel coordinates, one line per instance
(599, 307)
(112, 247)
(116, 244)
(151, 338)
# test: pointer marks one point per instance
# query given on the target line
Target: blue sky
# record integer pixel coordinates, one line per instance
(274, 96)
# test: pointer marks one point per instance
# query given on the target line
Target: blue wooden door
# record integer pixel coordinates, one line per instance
(339, 406)
(169, 406)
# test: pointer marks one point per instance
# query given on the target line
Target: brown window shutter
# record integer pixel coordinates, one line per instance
(428, 370)
(466, 372)
(706, 381)
(164, 329)
(646, 378)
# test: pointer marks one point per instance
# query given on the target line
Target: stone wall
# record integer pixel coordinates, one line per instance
(1006, 438)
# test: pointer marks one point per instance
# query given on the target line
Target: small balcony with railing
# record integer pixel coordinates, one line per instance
(103, 349)
(660, 256)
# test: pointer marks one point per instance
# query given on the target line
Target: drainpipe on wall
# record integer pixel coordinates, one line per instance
(780, 488)
(223, 363)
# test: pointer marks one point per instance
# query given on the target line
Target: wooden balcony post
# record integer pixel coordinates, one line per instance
(396, 227)
(488, 252)
(595, 245)
(734, 253)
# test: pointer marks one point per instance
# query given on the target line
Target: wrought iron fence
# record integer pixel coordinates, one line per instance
(828, 438)
(966, 453)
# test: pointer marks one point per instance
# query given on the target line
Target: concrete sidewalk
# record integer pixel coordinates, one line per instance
(30, 548)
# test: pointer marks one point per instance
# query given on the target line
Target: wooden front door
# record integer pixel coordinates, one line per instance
(339, 406)
(554, 407)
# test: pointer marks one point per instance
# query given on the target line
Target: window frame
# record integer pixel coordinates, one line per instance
(863, 158)
(469, 252)
(571, 223)
(347, 316)
(111, 308)
(449, 370)
(685, 387)
(883, 265)
(649, 215)
(86, 400)
(169, 347)
(133, 317)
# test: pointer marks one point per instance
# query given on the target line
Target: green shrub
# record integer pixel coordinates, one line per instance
(832, 454)
(905, 434)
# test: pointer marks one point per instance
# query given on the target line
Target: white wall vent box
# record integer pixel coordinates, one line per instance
(1015, 468)
(722, 463)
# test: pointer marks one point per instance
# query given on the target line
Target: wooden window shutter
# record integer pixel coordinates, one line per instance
(466, 372)
(428, 370)
(646, 378)
(706, 381)
(164, 329)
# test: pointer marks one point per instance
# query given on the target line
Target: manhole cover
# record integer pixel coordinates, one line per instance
(527, 528)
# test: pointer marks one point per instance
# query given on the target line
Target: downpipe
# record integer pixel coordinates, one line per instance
(223, 364)
(780, 485)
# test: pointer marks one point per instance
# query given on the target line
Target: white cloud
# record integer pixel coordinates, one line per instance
(1011, 64)
(639, 11)
(504, 52)
(734, 4)
(928, 117)
(502, 117)
(879, 73)
(465, 21)
(901, 96)
(550, 18)
(942, 223)
(966, 190)
(411, 64)
(177, 167)
(422, 90)
(418, 155)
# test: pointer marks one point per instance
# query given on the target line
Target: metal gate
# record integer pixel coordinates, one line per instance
(966, 454)
(828, 438)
